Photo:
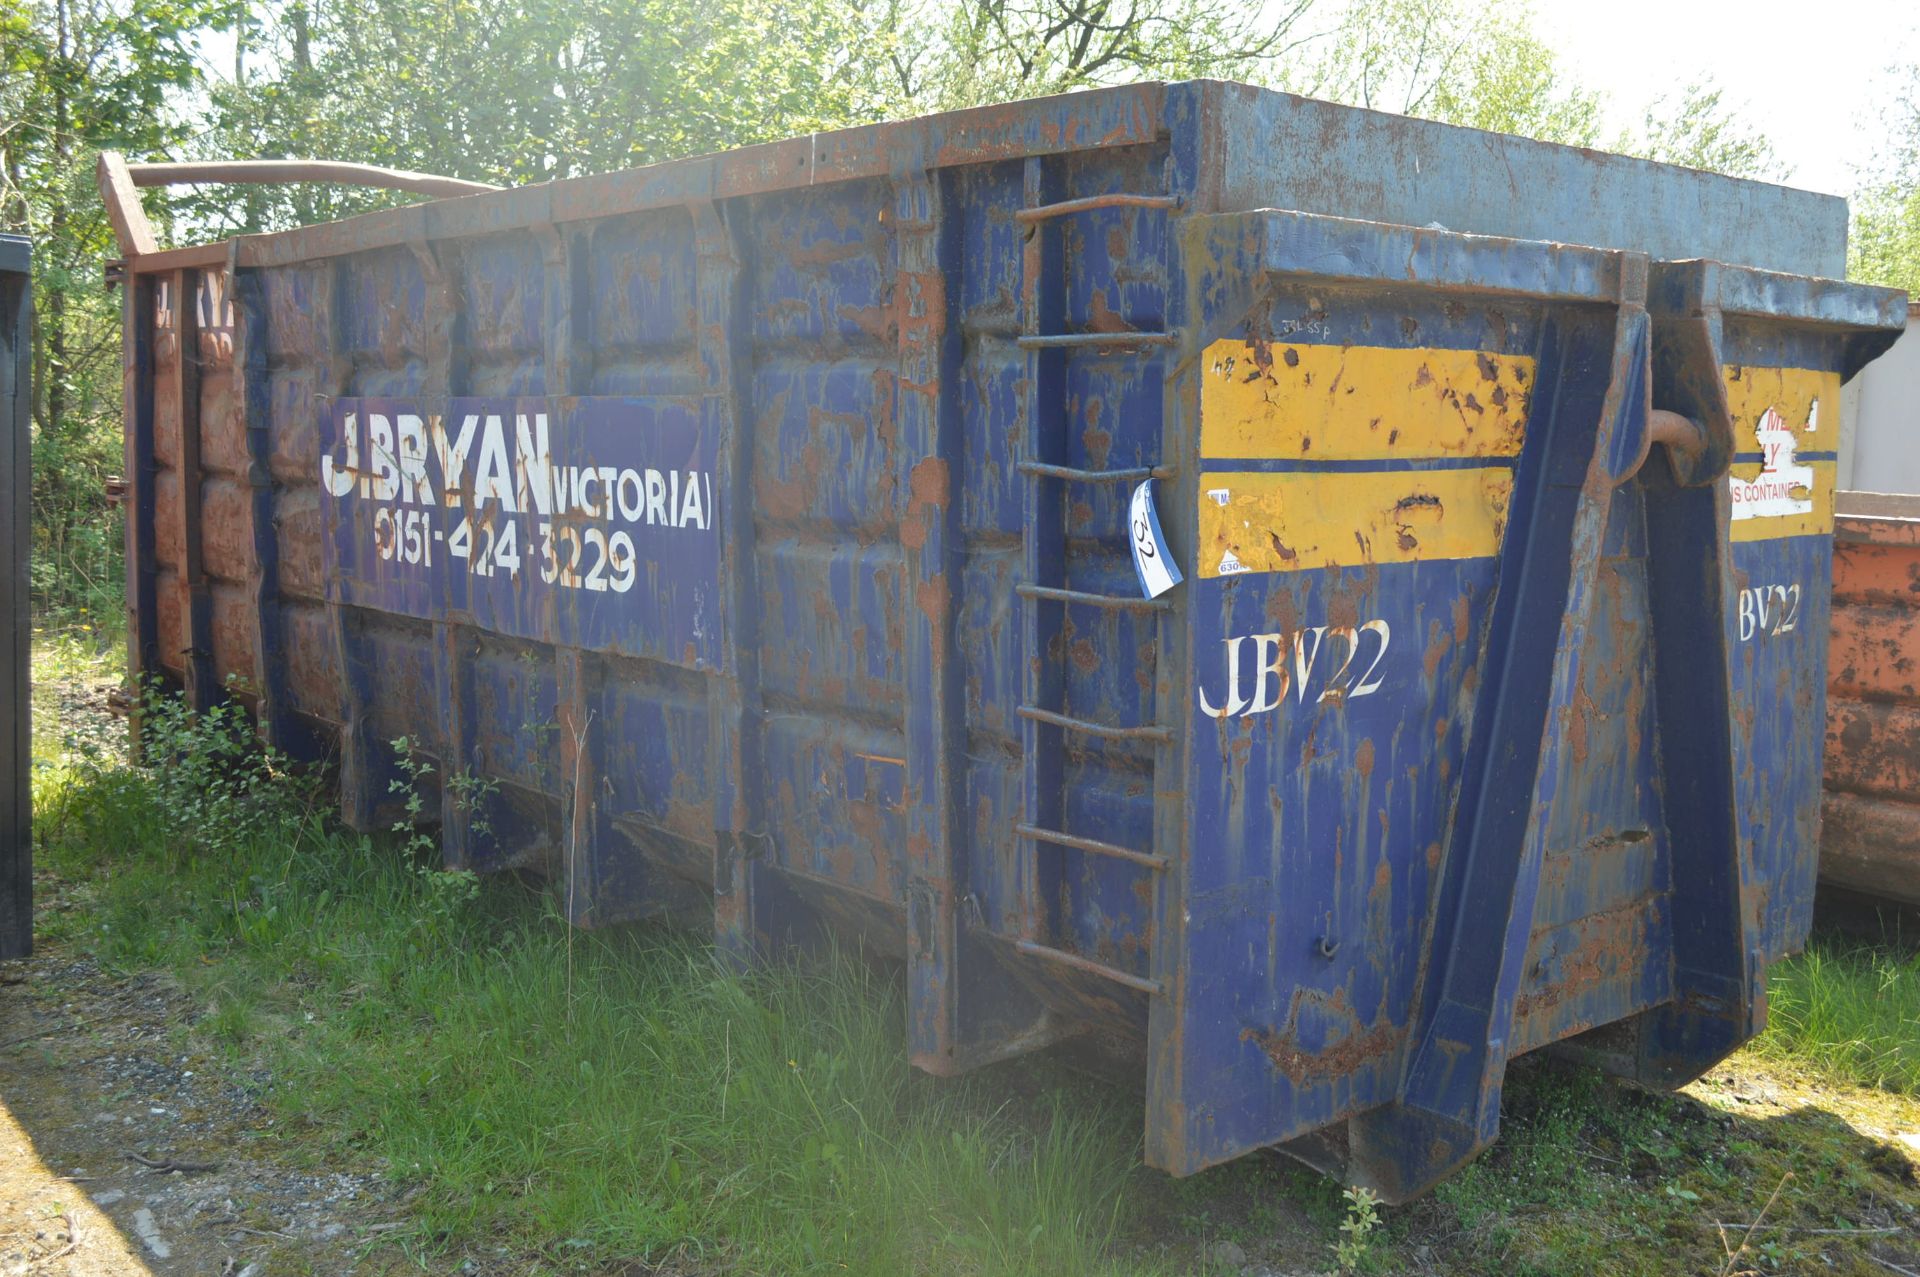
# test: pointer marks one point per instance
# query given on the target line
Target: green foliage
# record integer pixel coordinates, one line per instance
(1451, 61)
(1699, 131)
(1510, 82)
(76, 77)
(1849, 1010)
(512, 91)
(448, 893)
(1482, 66)
(1363, 1217)
(1886, 237)
(218, 788)
(1886, 212)
(953, 53)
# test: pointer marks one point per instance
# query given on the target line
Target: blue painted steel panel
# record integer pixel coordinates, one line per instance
(759, 523)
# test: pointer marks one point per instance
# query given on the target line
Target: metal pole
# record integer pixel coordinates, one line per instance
(16, 631)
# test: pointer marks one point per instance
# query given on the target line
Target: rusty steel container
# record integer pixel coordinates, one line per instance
(1265, 581)
(1870, 839)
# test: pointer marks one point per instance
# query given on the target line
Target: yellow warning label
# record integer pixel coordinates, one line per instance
(1269, 400)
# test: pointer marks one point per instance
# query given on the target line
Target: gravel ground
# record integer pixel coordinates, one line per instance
(122, 1152)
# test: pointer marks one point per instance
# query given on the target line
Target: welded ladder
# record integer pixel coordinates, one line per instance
(1046, 726)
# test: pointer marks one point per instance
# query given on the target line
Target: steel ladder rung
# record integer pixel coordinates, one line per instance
(1113, 602)
(1042, 470)
(1088, 965)
(1053, 341)
(1145, 859)
(1088, 203)
(1089, 727)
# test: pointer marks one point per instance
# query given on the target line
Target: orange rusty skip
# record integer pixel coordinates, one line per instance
(1871, 836)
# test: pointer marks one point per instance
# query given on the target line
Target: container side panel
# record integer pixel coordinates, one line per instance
(380, 309)
(171, 638)
(824, 450)
(641, 270)
(293, 350)
(833, 624)
(1358, 457)
(1092, 410)
(515, 696)
(1784, 392)
(656, 760)
(825, 467)
(502, 291)
(589, 522)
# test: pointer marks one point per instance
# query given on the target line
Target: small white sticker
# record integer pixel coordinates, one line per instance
(1151, 558)
(1230, 565)
(1220, 496)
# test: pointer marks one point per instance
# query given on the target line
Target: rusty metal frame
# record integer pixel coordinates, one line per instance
(972, 136)
(335, 172)
(733, 692)
(202, 684)
(119, 182)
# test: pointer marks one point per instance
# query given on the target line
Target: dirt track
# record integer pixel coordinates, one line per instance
(100, 1082)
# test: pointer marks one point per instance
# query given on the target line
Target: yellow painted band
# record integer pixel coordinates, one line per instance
(1268, 400)
(1259, 521)
(1791, 391)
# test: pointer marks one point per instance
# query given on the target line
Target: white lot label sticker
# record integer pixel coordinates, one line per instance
(1151, 558)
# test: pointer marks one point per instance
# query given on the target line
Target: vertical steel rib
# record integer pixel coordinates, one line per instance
(249, 372)
(196, 593)
(722, 345)
(928, 511)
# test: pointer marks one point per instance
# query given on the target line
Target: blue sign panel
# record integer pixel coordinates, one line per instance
(590, 522)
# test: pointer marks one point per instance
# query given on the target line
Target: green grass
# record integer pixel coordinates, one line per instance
(581, 1095)
(1849, 1011)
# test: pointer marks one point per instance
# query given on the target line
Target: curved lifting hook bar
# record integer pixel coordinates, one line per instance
(1682, 435)
(118, 182)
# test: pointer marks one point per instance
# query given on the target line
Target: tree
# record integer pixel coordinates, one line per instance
(529, 90)
(1886, 211)
(519, 91)
(81, 76)
(967, 52)
(1699, 131)
(1483, 67)
(1450, 61)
